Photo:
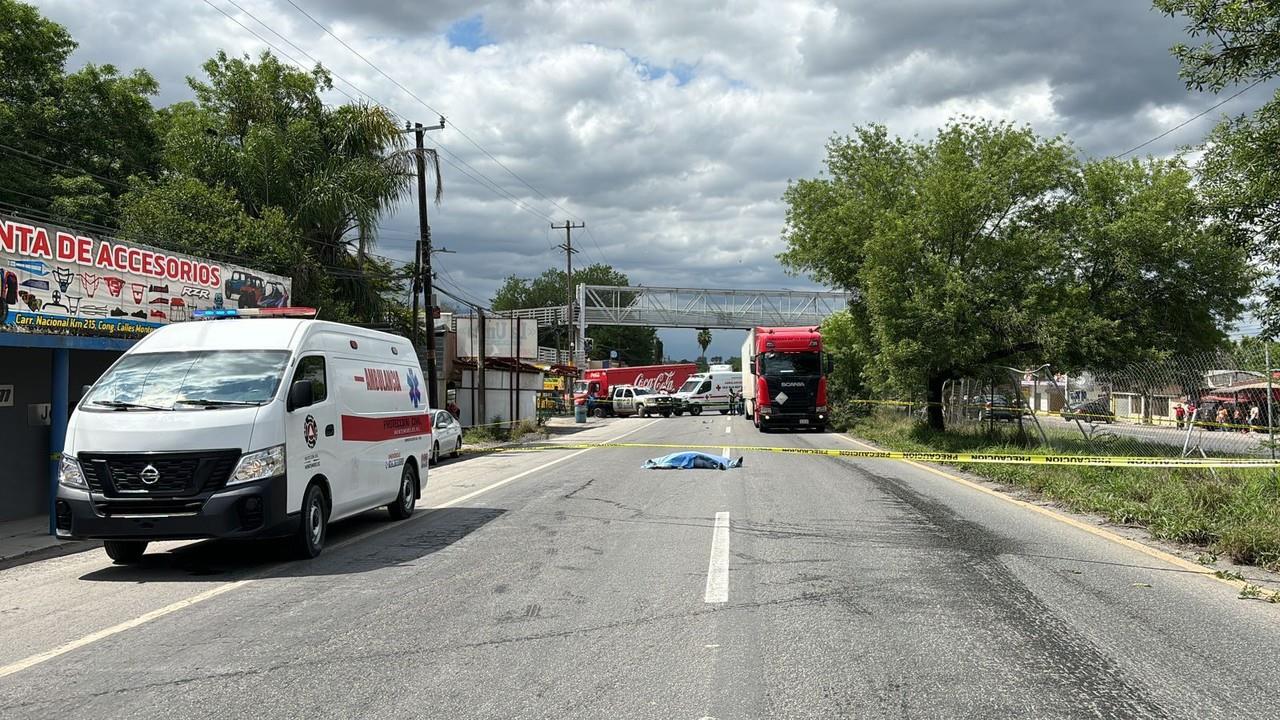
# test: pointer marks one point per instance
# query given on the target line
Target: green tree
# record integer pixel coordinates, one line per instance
(81, 136)
(1241, 40)
(1240, 169)
(704, 341)
(261, 130)
(634, 345)
(988, 245)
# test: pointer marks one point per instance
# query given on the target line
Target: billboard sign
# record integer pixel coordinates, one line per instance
(57, 281)
(504, 338)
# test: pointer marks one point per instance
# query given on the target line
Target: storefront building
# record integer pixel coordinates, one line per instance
(71, 304)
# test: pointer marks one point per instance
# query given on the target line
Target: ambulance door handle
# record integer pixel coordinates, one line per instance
(328, 430)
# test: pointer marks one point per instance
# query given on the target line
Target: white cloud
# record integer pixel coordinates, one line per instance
(673, 128)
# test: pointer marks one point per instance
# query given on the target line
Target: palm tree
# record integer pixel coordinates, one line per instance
(704, 342)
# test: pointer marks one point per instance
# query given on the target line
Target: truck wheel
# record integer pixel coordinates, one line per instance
(309, 540)
(598, 412)
(402, 507)
(724, 412)
(125, 552)
(642, 411)
(695, 410)
(666, 413)
(677, 412)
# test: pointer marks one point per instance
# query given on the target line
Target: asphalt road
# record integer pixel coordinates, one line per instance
(590, 588)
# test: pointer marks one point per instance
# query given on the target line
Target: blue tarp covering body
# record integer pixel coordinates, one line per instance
(691, 461)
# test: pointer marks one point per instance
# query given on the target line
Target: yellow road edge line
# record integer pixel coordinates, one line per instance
(944, 457)
(1103, 533)
(63, 649)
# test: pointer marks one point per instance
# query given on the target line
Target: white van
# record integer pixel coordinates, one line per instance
(244, 428)
(708, 391)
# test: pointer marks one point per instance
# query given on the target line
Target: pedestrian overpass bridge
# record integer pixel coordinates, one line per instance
(672, 307)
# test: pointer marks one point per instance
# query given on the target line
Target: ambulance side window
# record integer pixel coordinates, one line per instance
(312, 368)
(705, 387)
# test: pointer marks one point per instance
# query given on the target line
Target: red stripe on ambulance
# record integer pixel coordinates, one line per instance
(373, 429)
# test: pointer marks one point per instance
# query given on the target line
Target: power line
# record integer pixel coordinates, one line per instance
(424, 103)
(479, 177)
(64, 166)
(1193, 118)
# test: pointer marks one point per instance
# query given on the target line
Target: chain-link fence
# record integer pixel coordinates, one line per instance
(1217, 404)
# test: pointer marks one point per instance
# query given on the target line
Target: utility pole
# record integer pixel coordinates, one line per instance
(422, 280)
(569, 226)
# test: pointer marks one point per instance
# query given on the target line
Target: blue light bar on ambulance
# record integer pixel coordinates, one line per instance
(223, 313)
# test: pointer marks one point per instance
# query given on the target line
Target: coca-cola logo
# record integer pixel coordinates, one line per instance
(662, 382)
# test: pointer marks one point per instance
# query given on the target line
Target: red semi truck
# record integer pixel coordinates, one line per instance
(784, 379)
(597, 385)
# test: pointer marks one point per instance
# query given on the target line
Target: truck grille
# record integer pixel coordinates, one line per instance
(176, 474)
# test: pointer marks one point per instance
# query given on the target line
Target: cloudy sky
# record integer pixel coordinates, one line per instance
(672, 128)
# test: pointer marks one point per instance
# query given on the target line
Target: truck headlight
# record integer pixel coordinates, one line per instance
(259, 465)
(766, 410)
(70, 474)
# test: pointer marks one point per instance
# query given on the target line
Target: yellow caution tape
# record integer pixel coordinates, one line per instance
(943, 457)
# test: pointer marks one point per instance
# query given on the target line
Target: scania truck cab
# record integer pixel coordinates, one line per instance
(240, 428)
(784, 378)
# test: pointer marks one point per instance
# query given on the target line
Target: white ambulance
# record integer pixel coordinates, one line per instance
(234, 427)
(708, 391)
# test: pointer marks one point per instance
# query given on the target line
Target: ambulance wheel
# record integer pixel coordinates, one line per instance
(598, 412)
(695, 410)
(125, 552)
(402, 507)
(309, 540)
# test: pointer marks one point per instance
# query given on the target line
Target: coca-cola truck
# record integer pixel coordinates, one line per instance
(784, 379)
(595, 389)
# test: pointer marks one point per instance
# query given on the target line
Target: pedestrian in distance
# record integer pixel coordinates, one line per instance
(1237, 420)
(1255, 419)
(1222, 417)
(1180, 413)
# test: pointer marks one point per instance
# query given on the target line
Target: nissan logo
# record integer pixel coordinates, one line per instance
(150, 475)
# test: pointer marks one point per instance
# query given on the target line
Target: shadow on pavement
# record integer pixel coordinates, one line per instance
(229, 560)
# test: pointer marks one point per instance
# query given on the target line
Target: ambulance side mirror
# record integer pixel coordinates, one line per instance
(301, 395)
(84, 390)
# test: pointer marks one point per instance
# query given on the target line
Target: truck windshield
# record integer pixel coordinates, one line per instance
(797, 363)
(190, 380)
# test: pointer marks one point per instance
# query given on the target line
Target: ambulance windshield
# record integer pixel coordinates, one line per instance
(189, 380)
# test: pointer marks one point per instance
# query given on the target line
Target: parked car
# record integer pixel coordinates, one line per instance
(992, 407)
(1093, 411)
(446, 431)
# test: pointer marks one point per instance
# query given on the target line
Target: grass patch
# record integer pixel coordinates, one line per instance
(1236, 514)
(499, 432)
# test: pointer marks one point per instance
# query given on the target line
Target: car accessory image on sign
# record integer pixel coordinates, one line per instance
(56, 267)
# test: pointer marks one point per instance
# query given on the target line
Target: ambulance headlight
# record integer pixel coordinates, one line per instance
(259, 465)
(70, 475)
